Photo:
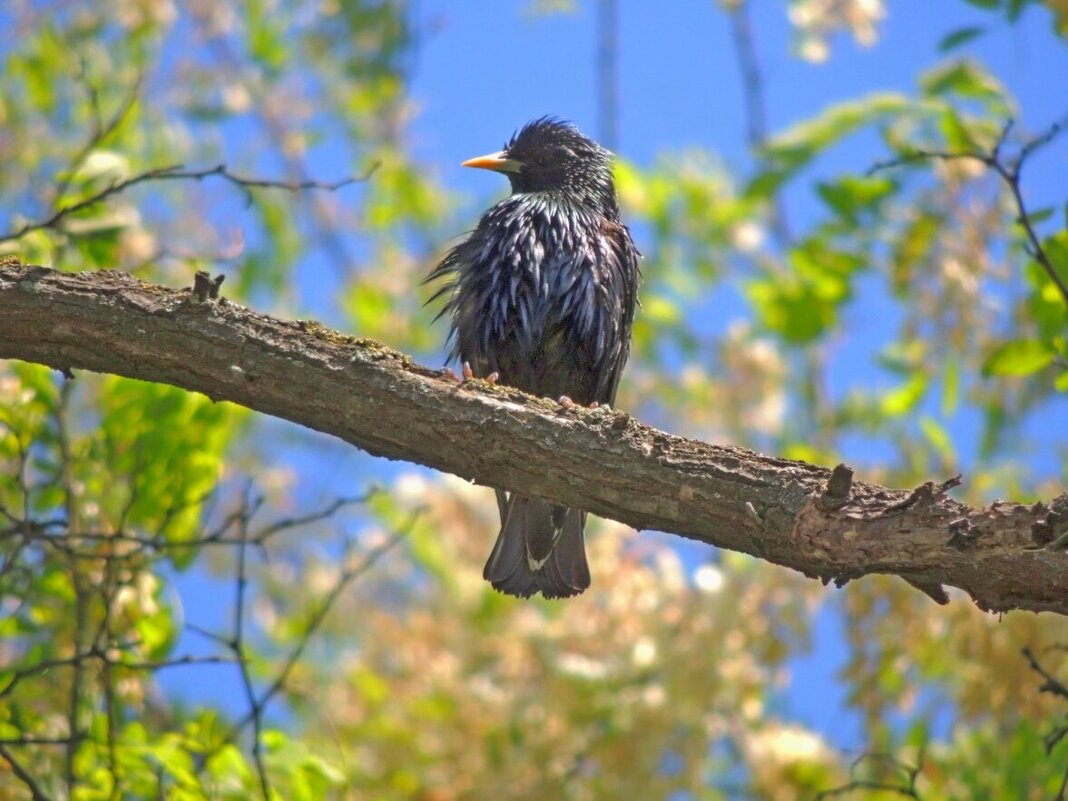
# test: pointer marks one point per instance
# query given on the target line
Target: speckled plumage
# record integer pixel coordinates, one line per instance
(543, 292)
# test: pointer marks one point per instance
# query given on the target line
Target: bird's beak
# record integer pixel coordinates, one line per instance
(498, 162)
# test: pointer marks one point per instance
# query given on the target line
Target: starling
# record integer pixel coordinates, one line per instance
(542, 293)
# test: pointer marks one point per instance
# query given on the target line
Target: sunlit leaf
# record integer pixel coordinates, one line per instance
(1040, 215)
(968, 80)
(906, 397)
(1018, 358)
(938, 437)
(851, 196)
(790, 151)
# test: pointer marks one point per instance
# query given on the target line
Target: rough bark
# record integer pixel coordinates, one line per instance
(815, 520)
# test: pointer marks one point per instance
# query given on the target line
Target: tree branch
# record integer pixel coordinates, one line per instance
(1009, 172)
(1006, 556)
(756, 117)
(177, 172)
(23, 775)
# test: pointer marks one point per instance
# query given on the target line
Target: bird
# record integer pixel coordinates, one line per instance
(541, 296)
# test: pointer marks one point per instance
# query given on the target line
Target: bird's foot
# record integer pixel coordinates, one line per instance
(449, 375)
(569, 404)
(469, 374)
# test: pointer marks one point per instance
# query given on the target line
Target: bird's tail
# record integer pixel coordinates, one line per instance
(540, 549)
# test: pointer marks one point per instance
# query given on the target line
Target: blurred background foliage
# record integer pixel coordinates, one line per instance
(199, 603)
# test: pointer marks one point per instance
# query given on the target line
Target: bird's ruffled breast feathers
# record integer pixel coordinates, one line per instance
(534, 264)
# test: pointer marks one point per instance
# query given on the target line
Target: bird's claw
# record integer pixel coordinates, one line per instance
(469, 375)
(569, 404)
(449, 375)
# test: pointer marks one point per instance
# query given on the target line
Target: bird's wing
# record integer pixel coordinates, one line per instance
(624, 276)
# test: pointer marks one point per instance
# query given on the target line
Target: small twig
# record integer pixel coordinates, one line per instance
(100, 656)
(36, 793)
(908, 790)
(754, 97)
(608, 72)
(81, 601)
(1052, 684)
(347, 577)
(176, 172)
(279, 125)
(839, 488)
(325, 513)
(101, 130)
(106, 636)
(97, 644)
(31, 740)
(237, 644)
(208, 634)
(1056, 687)
(205, 287)
(1009, 173)
(39, 531)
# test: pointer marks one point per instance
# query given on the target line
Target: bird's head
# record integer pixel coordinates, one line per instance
(551, 155)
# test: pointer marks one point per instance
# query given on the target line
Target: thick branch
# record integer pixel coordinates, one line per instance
(1006, 556)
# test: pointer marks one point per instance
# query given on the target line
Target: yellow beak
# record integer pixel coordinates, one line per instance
(498, 162)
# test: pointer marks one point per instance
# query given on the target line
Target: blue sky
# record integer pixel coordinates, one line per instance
(485, 67)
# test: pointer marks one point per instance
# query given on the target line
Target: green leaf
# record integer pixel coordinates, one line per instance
(229, 766)
(273, 739)
(169, 445)
(661, 310)
(958, 137)
(792, 310)
(105, 166)
(960, 37)
(789, 152)
(1056, 248)
(1020, 358)
(850, 195)
(1045, 305)
(1040, 215)
(966, 79)
(951, 387)
(938, 437)
(905, 398)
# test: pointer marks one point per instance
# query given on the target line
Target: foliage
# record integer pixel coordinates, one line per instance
(363, 670)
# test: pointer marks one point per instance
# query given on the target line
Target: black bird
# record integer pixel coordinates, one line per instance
(543, 293)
